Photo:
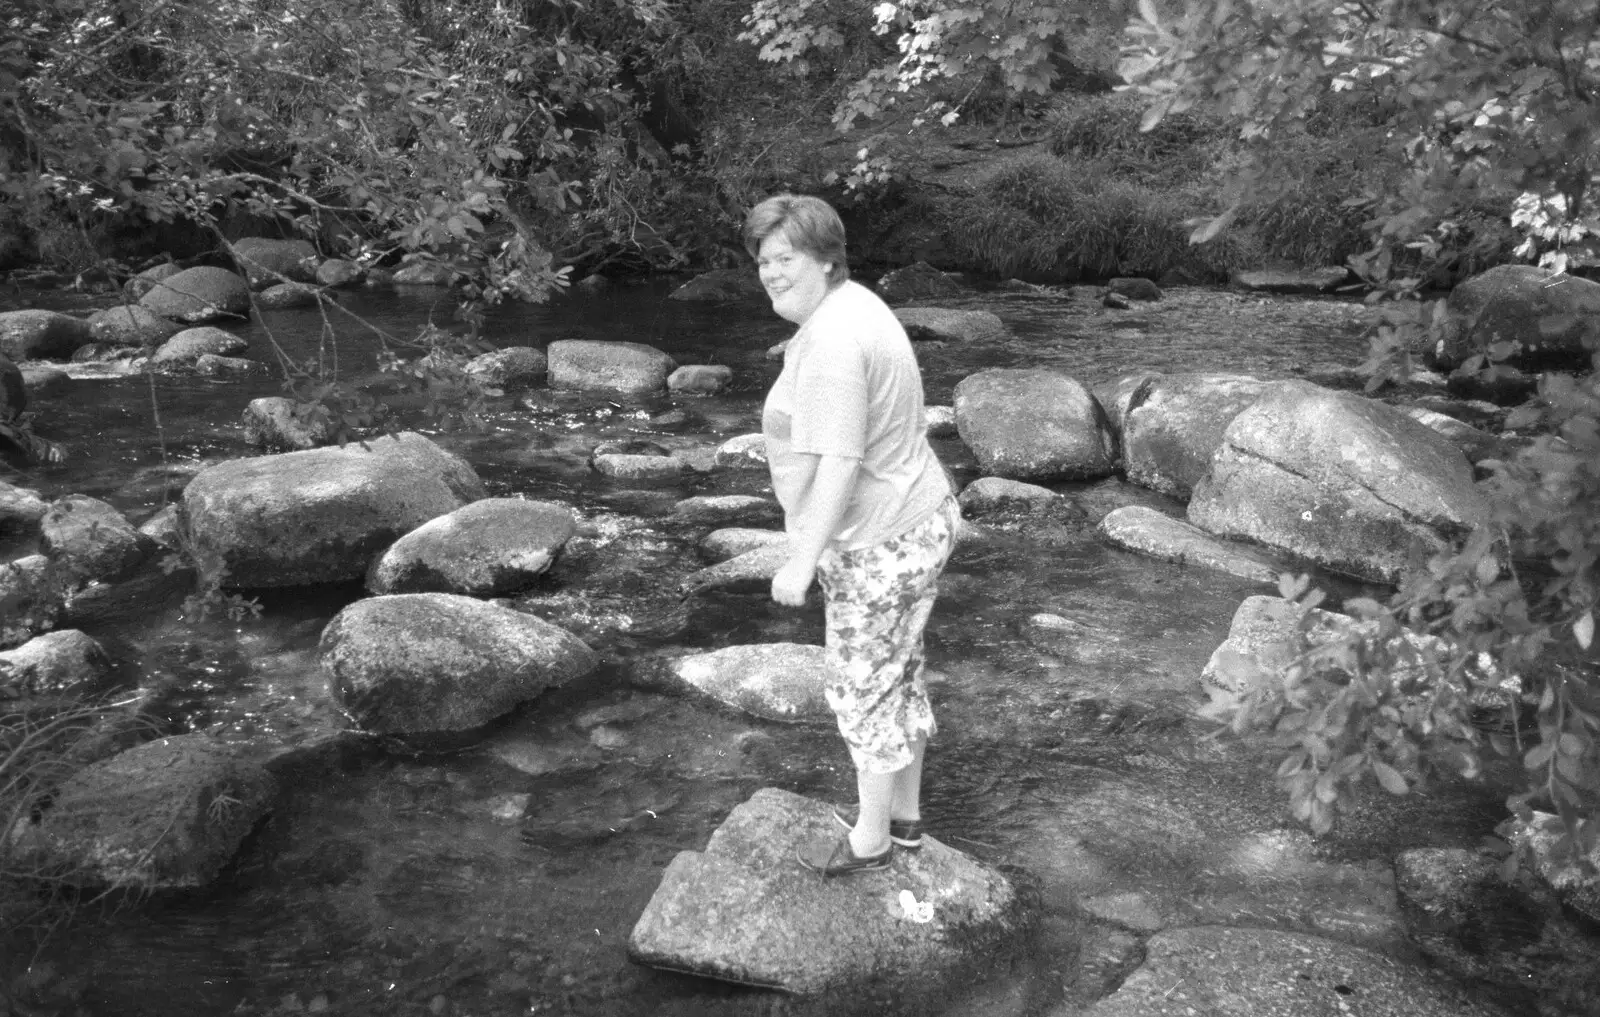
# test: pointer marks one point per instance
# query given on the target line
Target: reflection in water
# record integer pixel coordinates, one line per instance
(503, 875)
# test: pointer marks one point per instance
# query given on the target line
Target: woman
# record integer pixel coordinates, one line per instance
(868, 511)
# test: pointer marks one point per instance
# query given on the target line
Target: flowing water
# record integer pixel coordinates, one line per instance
(501, 874)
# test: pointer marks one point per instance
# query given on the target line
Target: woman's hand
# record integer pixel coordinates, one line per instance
(789, 586)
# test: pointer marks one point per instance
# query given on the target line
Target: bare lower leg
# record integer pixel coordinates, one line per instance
(906, 802)
(885, 796)
(874, 791)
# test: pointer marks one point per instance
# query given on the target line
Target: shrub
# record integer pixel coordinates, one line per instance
(1043, 215)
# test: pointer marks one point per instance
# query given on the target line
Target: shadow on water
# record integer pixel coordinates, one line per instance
(502, 873)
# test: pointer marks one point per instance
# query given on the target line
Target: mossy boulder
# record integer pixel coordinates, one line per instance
(424, 662)
(267, 261)
(199, 295)
(41, 335)
(484, 549)
(320, 515)
(131, 325)
(1535, 317)
(168, 814)
(1033, 424)
(596, 366)
(1338, 479)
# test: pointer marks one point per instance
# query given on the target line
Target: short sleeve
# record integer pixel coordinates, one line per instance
(831, 396)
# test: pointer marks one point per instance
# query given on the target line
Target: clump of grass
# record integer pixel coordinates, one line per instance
(43, 742)
(1106, 128)
(1040, 215)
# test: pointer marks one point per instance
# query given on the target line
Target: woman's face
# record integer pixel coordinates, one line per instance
(795, 280)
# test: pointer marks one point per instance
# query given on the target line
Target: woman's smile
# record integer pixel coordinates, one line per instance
(795, 280)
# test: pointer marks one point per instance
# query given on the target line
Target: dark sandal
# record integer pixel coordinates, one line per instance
(838, 859)
(905, 833)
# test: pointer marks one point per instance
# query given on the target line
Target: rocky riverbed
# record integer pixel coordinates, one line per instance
(1148, 867)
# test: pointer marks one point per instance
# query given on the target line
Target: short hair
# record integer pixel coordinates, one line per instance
(809, 223)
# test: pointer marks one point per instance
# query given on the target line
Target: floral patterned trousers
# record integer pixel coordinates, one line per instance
(877, 601)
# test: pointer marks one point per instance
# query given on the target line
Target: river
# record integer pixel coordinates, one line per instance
(501, 874)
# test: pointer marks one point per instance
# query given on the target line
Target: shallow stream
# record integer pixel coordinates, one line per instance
(502, 874)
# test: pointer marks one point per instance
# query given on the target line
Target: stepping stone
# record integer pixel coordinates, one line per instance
(745, 910)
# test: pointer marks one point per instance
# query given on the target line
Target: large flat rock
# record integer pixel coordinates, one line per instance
(745, 910)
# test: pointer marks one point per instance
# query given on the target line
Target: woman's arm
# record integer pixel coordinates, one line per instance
(828, 494)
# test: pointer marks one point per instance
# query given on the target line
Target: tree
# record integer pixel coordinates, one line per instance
(1496, 98)
(1025, 44)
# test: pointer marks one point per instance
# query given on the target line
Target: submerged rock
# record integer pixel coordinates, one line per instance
(1142, 529)
(485, 549)
(1174, 423)
(198, 295)
(773, 681)
(1033, 425)
(167, 814)
(63, 662)
(744, 910)
(41, 335)
(924, 323)
(320, 516)
(590, 365)
(422, 662)
(1346, 482)
(1213, 971)
(755, 566)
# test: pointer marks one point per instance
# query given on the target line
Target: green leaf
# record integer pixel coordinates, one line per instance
(1389, 778)
(1539, 755)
